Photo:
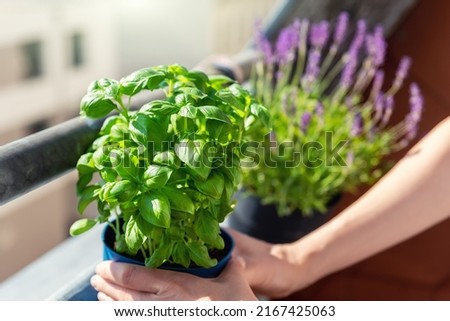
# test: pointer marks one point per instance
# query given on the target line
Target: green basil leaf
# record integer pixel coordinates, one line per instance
(108, 87)
(123, 191)
(95, 105)
(224, 211)
(83, 181)
(81, 226)
(220, 131)
(147, 78)
(179, 200)
(227, 96)
(160, 255)
(193, 155)
(199, 254)
(213, 186)
(188, 111)
(109, 123)
(220, 81)
(146, 228)
(101, 157)
(157, 176)
(155, 208)
(206, 227)
(87, 196)
(133, 236)
(261, 114)
(180, 254)
(126, 163)
(160, 107)
(218, 243)
(145, 128)
(228, 189)
(213, 112)
(233, 173)
(192, 92)
(167, 158)
(85, 164)
(199, 79)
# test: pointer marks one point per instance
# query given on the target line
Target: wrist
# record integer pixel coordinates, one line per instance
(301, 264)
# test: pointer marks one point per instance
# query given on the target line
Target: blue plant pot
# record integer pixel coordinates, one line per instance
(108, 238)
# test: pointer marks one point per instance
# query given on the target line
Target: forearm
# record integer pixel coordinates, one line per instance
(412, 197)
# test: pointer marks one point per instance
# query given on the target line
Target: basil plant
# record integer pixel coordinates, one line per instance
(163, 175)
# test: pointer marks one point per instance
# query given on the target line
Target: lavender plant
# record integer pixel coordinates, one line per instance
(330, 111)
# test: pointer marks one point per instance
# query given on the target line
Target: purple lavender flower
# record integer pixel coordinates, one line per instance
(305, 121)
(349, 102)
(376, 46)
(341, 28)
(415, 102)
(358, 39)
(348, 72)
(351, 57)
(318, 35)
(415, 113)
(377, 83)
(402, 71)
(312, 69)
(410, 127)
(379, 106)
(388, 108)
(287, 41)
(357, 125)
(264, 44)
(319, 109)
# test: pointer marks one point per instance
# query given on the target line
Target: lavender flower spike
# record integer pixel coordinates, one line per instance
(305, 121)
(340, 28)
(358, 40)
(415, 113)
(402, 71)
(319, 34)
(388, 108)
(416, 102)
(264, 44)
(379, 106)
(348, 72)
(319, 109)
(357, 125)
(377, 83)
(312, 69)
(287, 41)
(376, 46)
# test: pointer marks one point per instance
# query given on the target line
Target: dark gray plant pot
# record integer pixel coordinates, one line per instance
(262, 221)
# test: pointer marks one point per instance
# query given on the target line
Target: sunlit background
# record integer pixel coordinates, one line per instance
(50, 50)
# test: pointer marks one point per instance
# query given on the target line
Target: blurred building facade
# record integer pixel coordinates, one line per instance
(51, 50)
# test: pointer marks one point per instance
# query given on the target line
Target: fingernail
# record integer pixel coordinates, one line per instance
(93, 282)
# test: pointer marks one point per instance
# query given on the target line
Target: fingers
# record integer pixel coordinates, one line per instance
(109, 291)
(129, 276)
(103, 297)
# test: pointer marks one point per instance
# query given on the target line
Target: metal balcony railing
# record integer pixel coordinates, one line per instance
(37, 159)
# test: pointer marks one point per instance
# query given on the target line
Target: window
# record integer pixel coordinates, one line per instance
(32, 59)
(77, 50)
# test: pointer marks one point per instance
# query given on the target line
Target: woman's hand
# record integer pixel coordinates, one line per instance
(121, 281)
(273, 270)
